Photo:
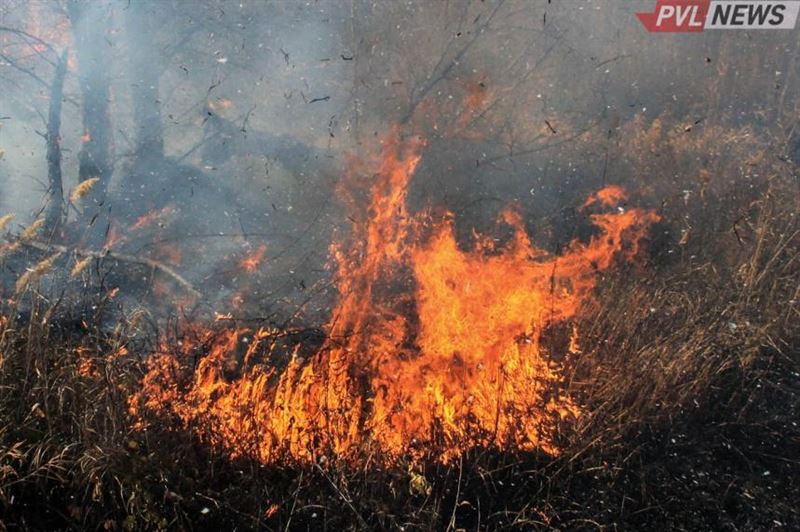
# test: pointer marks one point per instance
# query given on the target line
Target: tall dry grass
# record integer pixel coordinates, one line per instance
(689, 377)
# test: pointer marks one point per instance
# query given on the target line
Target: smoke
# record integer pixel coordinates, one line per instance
(238, 122)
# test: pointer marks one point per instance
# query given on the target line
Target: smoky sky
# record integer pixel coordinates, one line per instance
(263, 105)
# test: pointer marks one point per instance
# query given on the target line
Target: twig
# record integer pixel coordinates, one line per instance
(32, 37)
(452, 524)
(442, 69)
(344, 497)
(294, 500)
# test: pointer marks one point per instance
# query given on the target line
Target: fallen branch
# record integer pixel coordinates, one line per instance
(120, 257)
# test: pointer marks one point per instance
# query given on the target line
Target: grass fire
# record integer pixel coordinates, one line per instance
(351, 265)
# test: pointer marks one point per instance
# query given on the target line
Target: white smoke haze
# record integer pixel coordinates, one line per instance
(237, 119)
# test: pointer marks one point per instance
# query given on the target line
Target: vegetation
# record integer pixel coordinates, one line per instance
(284, 169)
(688, 373)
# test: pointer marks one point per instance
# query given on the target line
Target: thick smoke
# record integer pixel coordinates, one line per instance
(236, 122)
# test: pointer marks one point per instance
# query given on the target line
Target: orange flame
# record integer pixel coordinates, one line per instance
(477, 98)
(152, 217)
(607, 196)
(431, 350)
(251, 262)
(113, 237)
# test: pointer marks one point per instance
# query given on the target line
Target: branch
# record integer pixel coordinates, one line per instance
(14, 64)
(442, 69)
(34, 38)
(120, 257)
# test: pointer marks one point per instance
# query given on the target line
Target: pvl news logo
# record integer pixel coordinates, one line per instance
(689, 16)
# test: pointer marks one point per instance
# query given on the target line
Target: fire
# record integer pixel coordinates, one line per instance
(607, 196)
(574, 341)
(87, 366)
(251, 262)
(431, 349)
(116, 238)
(151, 217)
(221, 103)
(45, 27)
(113, 237)
(477, 99)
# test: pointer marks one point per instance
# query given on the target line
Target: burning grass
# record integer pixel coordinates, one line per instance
(677, 366)
(464, 368)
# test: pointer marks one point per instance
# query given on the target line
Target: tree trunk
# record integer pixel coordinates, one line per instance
(144, 74)
(90, 27)
(54, 210)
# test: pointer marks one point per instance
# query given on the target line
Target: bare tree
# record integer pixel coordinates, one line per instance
(90, 27)
(54, 211)
(144, 74)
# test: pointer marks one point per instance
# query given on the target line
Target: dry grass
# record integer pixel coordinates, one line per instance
(34, 273)
(689, 373)
(83, 188)
(33, 229)
(5, 220)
